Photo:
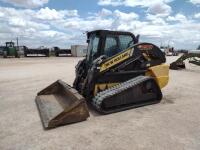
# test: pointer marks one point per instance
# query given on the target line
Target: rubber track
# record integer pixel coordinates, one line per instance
(101, 96)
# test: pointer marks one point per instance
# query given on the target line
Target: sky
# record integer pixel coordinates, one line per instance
(64, 22)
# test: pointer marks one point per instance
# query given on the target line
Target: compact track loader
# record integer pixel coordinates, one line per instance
(118, 73)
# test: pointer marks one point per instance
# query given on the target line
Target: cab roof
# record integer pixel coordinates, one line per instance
(105, 32)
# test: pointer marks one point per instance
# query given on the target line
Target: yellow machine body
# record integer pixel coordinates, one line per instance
(160, 73)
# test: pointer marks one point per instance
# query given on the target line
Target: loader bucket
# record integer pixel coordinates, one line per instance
(60, 104)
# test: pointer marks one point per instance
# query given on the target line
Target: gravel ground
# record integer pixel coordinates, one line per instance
(173, 124)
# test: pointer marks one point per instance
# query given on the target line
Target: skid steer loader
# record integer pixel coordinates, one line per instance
(118, 73)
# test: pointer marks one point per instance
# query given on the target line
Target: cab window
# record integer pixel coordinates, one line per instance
(111, 47)
(125, 41)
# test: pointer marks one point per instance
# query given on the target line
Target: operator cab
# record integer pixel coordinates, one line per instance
(109, 43)
(10, 44)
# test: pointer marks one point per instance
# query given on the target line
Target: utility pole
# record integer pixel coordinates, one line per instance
(17, 44)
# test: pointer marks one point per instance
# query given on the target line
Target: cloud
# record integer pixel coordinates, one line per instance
(102, 13)
(34, 27)
(197, 15)
(159, 29)
(156, 19)
(130, 3)
(195, 2)
(26, 3)
(82, 25)
(154, 7)
(177, 17)
(111, 2)
(105, 12)
(52, 14)
(125, 16)
(159, 8)
(51, 27)
(20, 18)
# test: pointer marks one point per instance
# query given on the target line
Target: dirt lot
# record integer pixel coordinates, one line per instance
(172, 124)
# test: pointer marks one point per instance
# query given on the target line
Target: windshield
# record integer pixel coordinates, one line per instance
(92, 47)
(114, 44)
(9, 44)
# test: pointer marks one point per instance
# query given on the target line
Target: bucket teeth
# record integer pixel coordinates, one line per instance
(60, 104)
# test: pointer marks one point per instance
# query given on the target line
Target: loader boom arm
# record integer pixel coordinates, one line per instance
(187, 56)
(148, 51)
(179, 63)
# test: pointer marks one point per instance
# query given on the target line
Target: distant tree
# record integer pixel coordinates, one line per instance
(198, 47)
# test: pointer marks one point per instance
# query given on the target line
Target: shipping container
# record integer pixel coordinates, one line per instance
(79, 50)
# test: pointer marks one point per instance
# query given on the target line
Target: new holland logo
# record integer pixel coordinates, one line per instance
(119, 58)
